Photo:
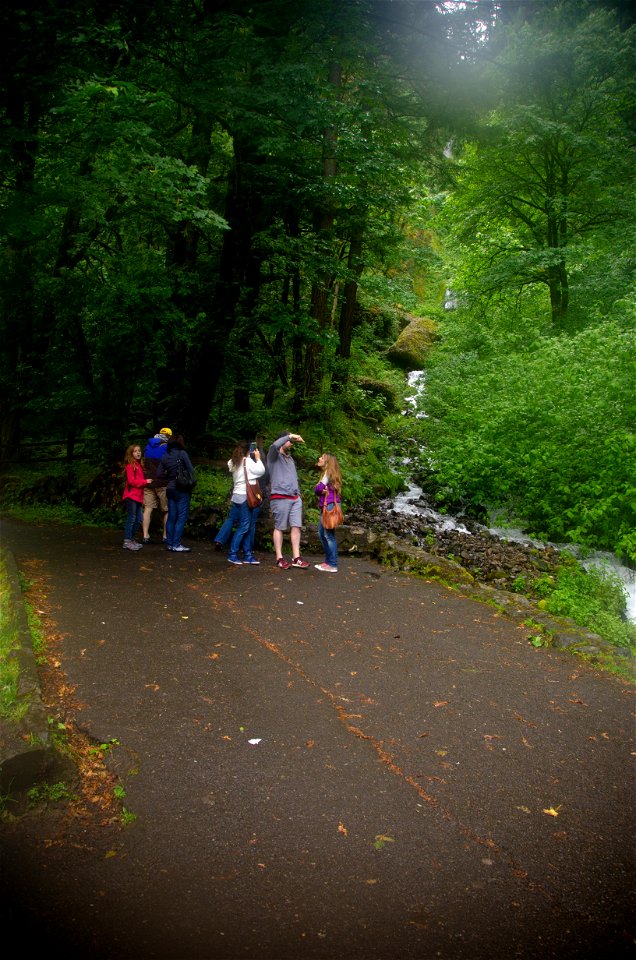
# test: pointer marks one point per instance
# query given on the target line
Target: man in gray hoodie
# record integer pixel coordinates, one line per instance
(285, 500)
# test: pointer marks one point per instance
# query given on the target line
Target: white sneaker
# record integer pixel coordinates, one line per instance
(181, 549)
(325, 568)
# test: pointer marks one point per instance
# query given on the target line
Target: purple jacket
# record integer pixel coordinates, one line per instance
(326, 494)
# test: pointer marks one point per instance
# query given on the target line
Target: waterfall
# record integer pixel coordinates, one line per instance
(413, 502)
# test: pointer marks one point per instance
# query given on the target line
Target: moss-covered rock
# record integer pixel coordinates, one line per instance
(412, 347)
(380, 388)
(414, 560)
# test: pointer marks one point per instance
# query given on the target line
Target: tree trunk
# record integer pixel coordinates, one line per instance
(324, 221)
(558, 284)
(23, 115)
(239, 279)
(355, 265)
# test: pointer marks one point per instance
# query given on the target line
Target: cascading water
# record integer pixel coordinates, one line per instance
(412, 502)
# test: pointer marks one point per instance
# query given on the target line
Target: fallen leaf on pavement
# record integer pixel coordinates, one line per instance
(528, 723)
(380, 841)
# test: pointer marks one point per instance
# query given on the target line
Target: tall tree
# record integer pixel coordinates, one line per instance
(182, 178)
(548, 182)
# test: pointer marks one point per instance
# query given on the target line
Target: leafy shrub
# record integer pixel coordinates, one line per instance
(594, 599)
(546, 432)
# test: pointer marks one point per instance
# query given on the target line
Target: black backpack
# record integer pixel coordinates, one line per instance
(185, 477)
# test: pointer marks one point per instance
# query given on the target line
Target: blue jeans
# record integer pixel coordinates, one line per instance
(241, 537)
(232, 519)
(329, 544)
(178, 510)
(225, 530)
(255, 511)
(134, 517)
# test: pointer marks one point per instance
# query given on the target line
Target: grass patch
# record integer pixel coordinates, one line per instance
(593, 598)
(63, 513)
(10, 708)
(38, 641)
(127, 816)
(50, 793)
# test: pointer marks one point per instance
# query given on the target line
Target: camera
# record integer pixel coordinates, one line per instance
(252, 446)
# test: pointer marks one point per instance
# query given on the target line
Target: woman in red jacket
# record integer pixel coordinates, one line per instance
(133, 495)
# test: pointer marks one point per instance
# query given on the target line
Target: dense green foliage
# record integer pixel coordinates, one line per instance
(545, 430)
(191, 193)
(593, 598)
(220, 215)
(531, 394)
(542, 200)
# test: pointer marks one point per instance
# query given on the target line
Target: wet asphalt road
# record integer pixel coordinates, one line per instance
(329, 767)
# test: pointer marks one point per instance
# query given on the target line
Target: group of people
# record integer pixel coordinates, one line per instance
(153, 483)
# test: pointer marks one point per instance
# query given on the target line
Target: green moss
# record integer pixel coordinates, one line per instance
(10, 709)
(413, 346)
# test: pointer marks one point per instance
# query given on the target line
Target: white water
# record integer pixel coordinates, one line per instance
(407, 503)
(597, 559)
(412, 502)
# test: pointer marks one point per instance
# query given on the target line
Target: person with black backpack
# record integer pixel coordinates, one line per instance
(176, 467)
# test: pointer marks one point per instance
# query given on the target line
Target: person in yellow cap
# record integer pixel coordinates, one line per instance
(155, 492)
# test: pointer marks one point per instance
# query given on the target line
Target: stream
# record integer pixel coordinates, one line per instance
(413, 503)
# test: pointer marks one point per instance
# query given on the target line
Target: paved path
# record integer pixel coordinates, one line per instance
(351, 767)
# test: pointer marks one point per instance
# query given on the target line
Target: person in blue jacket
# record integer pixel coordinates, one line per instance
(178, 499)
(155, 493)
